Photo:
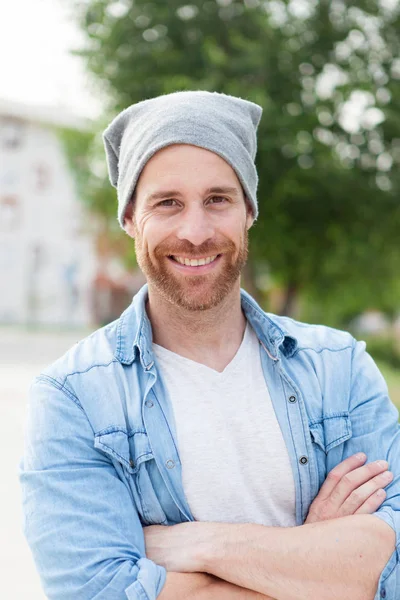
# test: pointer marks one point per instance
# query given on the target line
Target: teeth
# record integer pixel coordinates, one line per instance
(194, 262)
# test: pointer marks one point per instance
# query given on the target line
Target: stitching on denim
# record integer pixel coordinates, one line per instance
(139, 491)
(299, 349)
(343, 437)
(116, 429)
(334, 443)
(166, 420)
(109, 430)
(288, 382)
(142, 591)
(57, 383)
(61, 387)
(131, 432)
(144, 454)
(255, 312)
(341, 415)
(147, 507)
(119, 336)
(113, 452)
(396, 550)
(113, 360)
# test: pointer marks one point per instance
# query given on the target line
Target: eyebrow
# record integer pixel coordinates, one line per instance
(162, 195)
(233, 191)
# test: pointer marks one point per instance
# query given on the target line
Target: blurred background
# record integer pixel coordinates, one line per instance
(326, 246)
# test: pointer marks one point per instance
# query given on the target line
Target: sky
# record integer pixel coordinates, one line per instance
(35, 64)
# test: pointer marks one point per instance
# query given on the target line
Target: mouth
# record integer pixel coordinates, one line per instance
(195, 265)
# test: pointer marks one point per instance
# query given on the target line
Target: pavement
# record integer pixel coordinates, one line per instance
(23, 354)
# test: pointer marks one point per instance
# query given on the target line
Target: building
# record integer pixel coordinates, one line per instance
(48, 259)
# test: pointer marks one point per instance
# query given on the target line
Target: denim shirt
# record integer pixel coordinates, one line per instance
(101, 459)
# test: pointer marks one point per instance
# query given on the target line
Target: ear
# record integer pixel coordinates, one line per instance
(249, 215)
(129, 223)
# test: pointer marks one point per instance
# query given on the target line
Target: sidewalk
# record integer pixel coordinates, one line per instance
(22, 356)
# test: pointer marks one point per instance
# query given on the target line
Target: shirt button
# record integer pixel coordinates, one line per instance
(149, 403)
(383, 593)
(303, 460)
(292, 399)
(132, 463)
(170, 464)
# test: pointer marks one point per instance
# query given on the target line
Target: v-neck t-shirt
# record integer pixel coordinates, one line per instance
(235, 464)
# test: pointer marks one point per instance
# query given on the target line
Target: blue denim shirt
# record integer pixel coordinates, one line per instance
(101, 458)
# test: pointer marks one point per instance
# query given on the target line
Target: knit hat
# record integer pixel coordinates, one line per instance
(223, 124)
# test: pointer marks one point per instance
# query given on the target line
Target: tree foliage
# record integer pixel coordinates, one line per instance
(327, 76)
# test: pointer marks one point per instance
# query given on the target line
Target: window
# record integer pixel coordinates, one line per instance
(9, 212)
(43, 177)
(11, 133)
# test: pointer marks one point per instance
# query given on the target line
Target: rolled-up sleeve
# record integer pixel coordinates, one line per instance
(79, 517)
(389, 582)
(376, 432)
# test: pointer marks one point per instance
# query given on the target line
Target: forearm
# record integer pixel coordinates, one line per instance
(202, 586)
(340, 558)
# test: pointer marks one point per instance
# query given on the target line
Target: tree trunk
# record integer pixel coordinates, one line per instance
(289, 302)
(249, 282)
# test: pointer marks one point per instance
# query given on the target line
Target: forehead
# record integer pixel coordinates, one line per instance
(184, 165)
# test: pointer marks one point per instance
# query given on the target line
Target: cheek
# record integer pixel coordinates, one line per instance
(151, 238)
(235, 232)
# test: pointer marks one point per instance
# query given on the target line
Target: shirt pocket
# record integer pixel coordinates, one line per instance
(134, 454)
(329, 435)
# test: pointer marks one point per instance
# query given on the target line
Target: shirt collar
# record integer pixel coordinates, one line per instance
(272, 335)
(134, 334)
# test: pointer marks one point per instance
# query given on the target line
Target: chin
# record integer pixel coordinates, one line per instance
(201, 301)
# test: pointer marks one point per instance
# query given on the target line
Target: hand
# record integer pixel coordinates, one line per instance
(351, 489)
(176, 547)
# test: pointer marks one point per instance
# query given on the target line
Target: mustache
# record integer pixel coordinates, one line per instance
(188, 249)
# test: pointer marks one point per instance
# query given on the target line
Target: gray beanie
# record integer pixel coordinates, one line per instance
(223, 124)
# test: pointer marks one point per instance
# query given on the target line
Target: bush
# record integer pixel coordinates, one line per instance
(384, 349)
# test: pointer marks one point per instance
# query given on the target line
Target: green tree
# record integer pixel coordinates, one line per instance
(327, 75)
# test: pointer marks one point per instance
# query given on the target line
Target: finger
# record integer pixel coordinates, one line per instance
(334, 476)
(372, 504)
(359, 496)
(353, 480)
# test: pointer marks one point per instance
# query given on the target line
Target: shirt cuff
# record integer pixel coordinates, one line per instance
(150, 580)
(389, 581)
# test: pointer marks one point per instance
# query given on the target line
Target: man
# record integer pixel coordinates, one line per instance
(198, 447)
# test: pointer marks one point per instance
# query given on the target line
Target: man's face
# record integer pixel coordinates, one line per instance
(190, 223)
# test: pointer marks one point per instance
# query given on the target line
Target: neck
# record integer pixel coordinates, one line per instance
(211, 337)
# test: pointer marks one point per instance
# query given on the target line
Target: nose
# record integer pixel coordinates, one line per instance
(196, 226)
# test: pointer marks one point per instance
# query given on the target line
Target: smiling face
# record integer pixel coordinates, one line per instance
(190, 223)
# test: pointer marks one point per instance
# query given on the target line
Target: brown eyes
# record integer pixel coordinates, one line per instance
(170, 202)
(218, 199)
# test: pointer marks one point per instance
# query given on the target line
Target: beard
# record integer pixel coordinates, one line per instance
(193, 292)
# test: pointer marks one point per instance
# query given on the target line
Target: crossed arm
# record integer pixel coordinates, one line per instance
(339, 552)
(91, 545)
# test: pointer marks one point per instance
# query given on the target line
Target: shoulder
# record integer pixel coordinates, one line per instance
(312, 337)
(93, 352)
(296, 336)
(90, 375)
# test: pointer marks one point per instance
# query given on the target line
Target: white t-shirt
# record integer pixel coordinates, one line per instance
(235, 465)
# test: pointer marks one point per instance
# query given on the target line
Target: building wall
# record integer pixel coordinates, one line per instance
(47, 254)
